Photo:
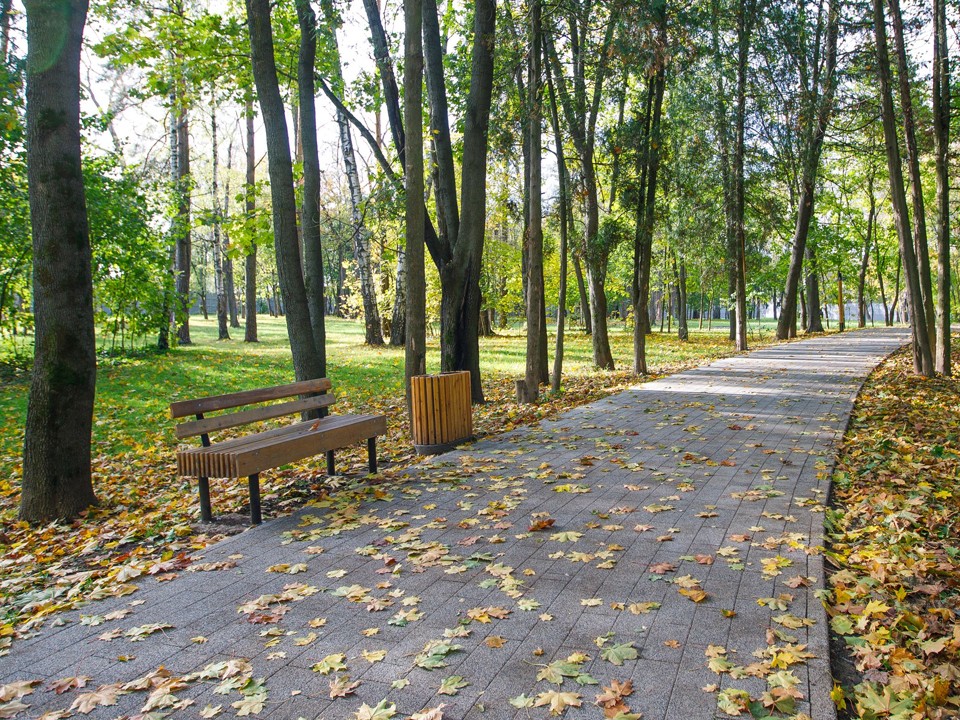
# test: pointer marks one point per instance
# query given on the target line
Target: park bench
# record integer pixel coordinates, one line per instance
(250, 454)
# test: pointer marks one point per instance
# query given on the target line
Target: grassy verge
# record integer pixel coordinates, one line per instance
(146, 514)
(894, 544)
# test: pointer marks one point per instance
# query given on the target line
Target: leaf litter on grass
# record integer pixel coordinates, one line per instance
(894, 547)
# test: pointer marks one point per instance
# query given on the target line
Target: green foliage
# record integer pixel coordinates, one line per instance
(130, 256)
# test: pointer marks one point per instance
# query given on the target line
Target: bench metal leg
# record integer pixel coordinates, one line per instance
(372, 454)
(331, 465)
(254, 482)
(203, 489)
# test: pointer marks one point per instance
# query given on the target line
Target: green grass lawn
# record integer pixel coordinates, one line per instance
(133, 393)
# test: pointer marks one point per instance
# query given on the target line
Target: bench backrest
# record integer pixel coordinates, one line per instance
(311, 394)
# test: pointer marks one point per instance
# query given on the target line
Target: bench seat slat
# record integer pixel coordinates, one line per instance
(183, 408)
(251, 454)
(245, 417)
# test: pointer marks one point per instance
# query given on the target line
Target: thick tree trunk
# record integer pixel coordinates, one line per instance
(913, 166)
(941, 135)
(250, 261)
(306, 362)
(459, 249)
(649, 164)
(814, 314)
(923, 357)
(310, 208)
(596, 281)
(57, 435)
(529, 392)
(745, 20)
(416, 337)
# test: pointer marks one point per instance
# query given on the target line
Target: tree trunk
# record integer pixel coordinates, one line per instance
(581, 120)
(649, 164)
(219, 281)
(416, 338)
(398, 321)
(306, 362)
(941, 135)
(563, 202)
(183, 241)
(841, 309)
(57, 435)
(745, 19)
(923, 357)
(228, 275)
(916, 181)
(680, 280)
(529, 392)
(373, 334)
(818, 114)
(459, 250)
(814, 315)
(865, 257)
(582, 292)
(250, 261)
(310, 203)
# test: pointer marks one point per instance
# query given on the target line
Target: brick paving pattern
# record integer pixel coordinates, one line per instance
(726, 464)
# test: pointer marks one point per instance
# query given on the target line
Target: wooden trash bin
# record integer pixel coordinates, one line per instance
(441, 411)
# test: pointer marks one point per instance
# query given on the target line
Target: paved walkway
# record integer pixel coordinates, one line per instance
(676, 549)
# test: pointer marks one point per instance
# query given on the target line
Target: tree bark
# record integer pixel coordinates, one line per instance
(563, 202)
(219, 280)
(865, 257)
(649, 164)
(819, 109)
(250, 261)
(913, 166)
(923, 357)
(746, 11)
(182, 262)
(530, 392)
(373, 334)
(582, 292)
(228, 273)
(581, 114)
(398, 321)
(310, 209)
(941, 135)
(814, 314)
(56, 456)
(416, 339)
(680, 281)
(306, 362)
(460, 246)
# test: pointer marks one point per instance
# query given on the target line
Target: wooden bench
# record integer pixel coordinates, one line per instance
(250, 454)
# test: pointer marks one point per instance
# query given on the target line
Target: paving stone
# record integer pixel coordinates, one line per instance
(790, 403)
